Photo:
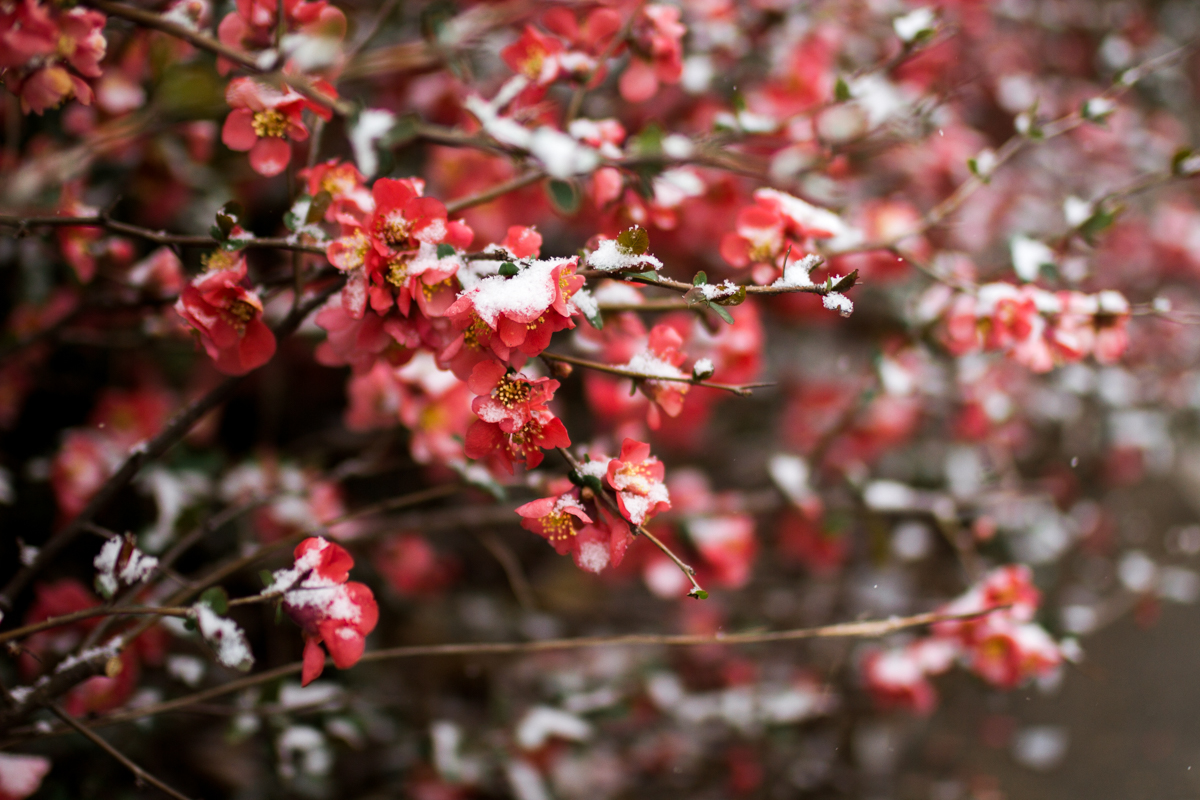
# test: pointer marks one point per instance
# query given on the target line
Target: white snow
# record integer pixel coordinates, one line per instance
(703, 368)
(293, 695)
(370, 127)
(889, 496)
(811, 216)
(609, 257)
(543, 723)
(795, 273)
(1028, 256)
(914, 23)
(593, 556)
(225, 636)
(136, 569)
(647, 364)
(836, 301)
(522, 297)
(186, 669)
(716, 291)
(561, 154)
(596, 468)
(586, 304)
(1077, 211)
(309, 743)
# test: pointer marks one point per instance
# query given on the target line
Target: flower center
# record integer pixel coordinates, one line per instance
(240, 313)
(394, 229)
(269, 123)
(220, 259)
(398, 271)
(558, 526)
(509, 392)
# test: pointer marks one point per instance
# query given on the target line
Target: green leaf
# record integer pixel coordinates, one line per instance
(216, 598)
(698, 594)
(564, 195)
(1181, 155)
(700, 279)
(649, 275)
(634, 241)
(320, 204)
(508, 269)
(266, 576)
(841, 90)
(722, 313)
(1100, 221)
(445, 250)
(228, 216)
(847, 282)
(404, 131)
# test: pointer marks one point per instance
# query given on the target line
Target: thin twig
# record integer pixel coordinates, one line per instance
(158, 237)
(89, 613)
(488, 195)
(138, 773)
(512, 569)
(741, 390)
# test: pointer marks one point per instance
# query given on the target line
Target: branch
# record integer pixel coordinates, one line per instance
(870, 629)
(488, 195)
(140, 774)
(742, 390)
(89, 613)
(158, 237)
(142, 454)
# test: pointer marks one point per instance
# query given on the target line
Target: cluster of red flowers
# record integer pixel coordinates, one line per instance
(48, 52)
(1037, 328)
(1003, 646)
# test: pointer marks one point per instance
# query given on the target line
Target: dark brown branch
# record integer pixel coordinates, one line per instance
(158, 237)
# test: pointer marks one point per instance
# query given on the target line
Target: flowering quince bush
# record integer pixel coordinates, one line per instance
(330, 328)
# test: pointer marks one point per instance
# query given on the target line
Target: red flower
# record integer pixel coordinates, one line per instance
(43, 56)
(392, 257)
(662, 357)
(227, 315)
(535, 55)
(514, 423)
(264, 118)
(81, 467)
(525, 310)
(637, 478)
(331, 610)
(659, 33)
(564, 522)
(345, 185)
